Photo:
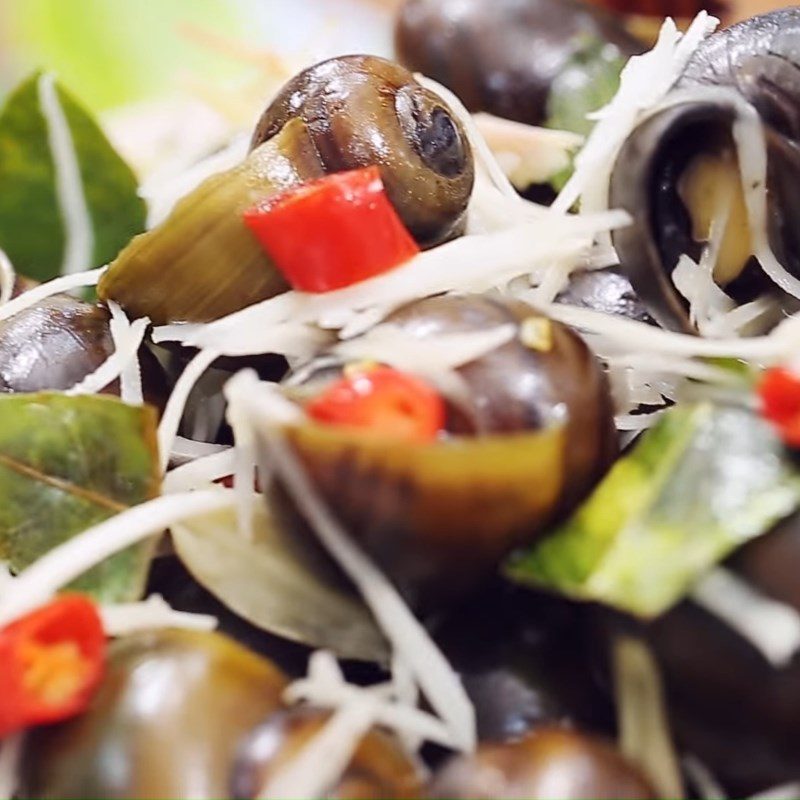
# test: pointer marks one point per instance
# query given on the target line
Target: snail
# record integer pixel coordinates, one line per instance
(678, 173)
(202, 262)
(502, 56)
(379, 767)
(57, 342)
(531, 436)
(167, 720)
(363, 110)
(724, 683)
(548, 762)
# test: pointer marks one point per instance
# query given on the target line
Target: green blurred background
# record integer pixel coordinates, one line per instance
(112, 52)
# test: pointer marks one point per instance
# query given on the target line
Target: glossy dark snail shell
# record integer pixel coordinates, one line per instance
(166, 721)
(580, 766)
(365, 110)
(760, 60)
(530, 438)
(379, 768)
(501, 56)
(57, 342)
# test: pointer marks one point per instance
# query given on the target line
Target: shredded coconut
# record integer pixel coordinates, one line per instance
(171, 419)
(400, 348)
(773, 628)
(63, 284)
(184, 449)
(244, 465)
(322, 761)
(644, 82)
(325, 687)
(617, 332)
(201, 471)
(527, 154)
(637, 422)
(8, 278)
(785, 791)
(436, 677)
(124, 358)
(123, 619)
(471, 263)
(702, 779)
(78, 229)
(131, 376)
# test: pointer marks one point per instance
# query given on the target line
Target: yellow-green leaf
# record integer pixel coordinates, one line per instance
(705, 480)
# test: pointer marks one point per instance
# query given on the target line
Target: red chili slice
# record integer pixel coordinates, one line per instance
(383, 400)
(332, 232)
(50, 663)
(779, 391)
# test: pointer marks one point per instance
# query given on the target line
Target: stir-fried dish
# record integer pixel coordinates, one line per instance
(436, 438)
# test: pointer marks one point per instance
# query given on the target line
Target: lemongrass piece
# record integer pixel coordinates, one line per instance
(644, 735)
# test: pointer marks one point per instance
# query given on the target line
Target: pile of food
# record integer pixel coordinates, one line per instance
(439, 441)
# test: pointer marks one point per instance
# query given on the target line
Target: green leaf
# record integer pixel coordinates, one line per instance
(273, 583)
(67, 463)
(587, 83)
(705, 480)
(31, 225)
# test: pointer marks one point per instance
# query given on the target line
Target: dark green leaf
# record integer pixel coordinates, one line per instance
(31, 227)
(705, 480)
(67, 463)
(272, 583)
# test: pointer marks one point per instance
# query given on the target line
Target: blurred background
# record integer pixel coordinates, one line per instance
(163, 70)
(115, 52)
